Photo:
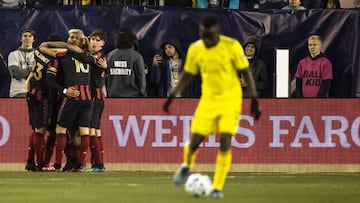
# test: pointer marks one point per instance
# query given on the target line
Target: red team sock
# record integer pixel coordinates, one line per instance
(101, 146)
(85, 142)
(95, 150)
(69, 151)
(39, 143)
(60, 146)
(31, 151)
(49, 149)
(77, 152)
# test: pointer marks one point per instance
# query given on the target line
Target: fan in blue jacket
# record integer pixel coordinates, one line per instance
(165, 70)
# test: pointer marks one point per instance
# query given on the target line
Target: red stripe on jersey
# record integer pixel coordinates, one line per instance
(88, 92)
(82, 92)
(76, 88)
(100, 94)
(37, 93)
(85, 93)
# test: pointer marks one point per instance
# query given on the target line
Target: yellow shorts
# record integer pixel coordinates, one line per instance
(215, 119)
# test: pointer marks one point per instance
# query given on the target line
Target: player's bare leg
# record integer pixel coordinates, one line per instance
(189, 156)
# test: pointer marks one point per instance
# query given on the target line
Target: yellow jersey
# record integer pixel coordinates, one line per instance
(218, 67)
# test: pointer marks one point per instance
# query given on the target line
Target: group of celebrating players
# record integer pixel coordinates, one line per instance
(65, 99)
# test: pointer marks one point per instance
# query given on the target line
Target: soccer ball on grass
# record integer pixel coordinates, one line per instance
(198, 185)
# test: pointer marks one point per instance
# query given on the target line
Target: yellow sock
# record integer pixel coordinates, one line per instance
(189, 157)
(223, 162)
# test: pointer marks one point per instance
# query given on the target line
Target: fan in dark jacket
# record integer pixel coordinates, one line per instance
(257, 67)
(126, 72)
(165, 70)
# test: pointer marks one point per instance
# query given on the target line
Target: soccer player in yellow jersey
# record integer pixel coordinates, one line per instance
(219, 59)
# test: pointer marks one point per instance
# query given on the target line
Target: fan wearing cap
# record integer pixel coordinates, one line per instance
(20, 63)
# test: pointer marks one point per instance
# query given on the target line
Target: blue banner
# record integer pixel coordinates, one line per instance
(152, 25)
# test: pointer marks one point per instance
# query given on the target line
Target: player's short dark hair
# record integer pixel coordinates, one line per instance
(124, 39)
(209, 21)
(53, 37)
(99, 33)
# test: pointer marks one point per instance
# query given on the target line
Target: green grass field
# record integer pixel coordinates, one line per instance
(147, 187)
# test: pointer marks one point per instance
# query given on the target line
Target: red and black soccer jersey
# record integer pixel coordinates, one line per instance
(42, 62)
(97, 77)
(75, 73)
(39, 98)
(97, 73)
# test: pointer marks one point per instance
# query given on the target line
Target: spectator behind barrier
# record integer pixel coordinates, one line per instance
(273, 4)
(332, 4)
(314, 72)
(20, 63)
(249, 5)
(257, 67)
(232, 4)
(166, 68)
(294, 5)
(312, 4)
(126, 70)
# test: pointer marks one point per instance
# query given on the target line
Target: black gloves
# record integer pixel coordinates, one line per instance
(167, 103)
(255, 110)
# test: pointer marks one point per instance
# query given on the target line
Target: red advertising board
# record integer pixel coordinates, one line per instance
(290, 131)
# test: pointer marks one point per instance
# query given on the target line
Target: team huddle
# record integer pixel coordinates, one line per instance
(65, 99)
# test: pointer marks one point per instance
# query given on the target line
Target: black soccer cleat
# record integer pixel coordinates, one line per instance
(30, 166)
